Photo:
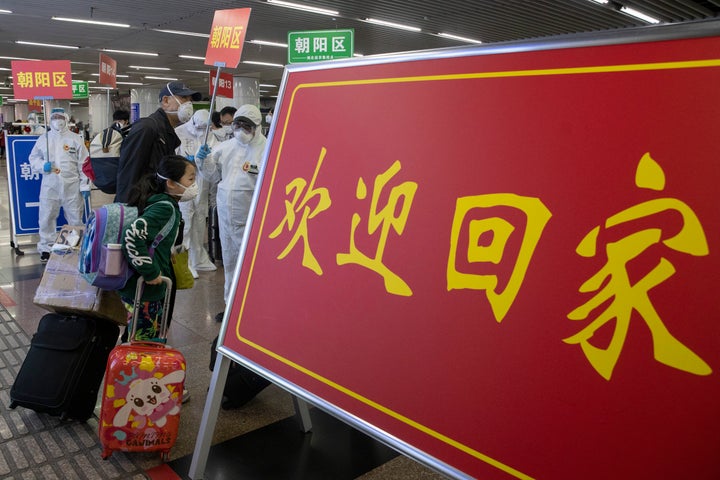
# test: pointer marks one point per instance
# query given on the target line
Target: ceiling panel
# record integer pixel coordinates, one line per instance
(490, 21)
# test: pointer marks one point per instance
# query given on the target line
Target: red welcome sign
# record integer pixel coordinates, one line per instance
(227, 37)
(108, 71)
(505, 261)
(42, 79)
(225, 84)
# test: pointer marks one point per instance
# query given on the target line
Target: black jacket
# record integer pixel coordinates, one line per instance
(149, 139)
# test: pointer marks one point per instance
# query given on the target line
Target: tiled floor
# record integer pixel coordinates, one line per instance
(259, 441)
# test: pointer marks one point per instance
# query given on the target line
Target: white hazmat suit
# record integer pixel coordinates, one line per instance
(62, 177)
(195, 212)
(232, 164)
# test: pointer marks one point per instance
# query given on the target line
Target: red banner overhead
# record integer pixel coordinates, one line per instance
(108, 71)
(227, 37)
(503, 260)
(42, 79)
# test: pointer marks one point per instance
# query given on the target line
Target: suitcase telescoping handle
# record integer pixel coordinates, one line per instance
(163, 327)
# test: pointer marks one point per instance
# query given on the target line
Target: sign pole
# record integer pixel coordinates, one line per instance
(45, 121)
(219, 66)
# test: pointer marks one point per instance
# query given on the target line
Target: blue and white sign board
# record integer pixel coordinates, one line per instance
(24, 186)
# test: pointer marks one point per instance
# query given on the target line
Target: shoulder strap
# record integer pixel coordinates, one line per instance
(166, 229)
(106, 139)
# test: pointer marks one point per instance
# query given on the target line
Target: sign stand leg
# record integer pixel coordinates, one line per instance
(303, 413)
(209, 418)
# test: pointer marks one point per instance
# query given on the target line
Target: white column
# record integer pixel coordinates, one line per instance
(143, 102)
(99, 112)
(245, 90)
(7, 112)
(22, 111)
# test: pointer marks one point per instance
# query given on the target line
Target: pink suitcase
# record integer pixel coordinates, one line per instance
(141, 402)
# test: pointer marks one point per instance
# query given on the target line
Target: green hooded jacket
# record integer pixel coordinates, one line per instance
(137, 240)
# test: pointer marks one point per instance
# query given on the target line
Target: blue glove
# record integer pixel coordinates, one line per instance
(47, 168)
(203, 153)
(191, 158)
(85, 194)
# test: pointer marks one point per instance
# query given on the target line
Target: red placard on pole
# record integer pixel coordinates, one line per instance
(108, 71)
(44, 79)
(227, 36)
(225, 85)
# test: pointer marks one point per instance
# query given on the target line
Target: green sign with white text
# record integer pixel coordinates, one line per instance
(80, 89)
(318, 45)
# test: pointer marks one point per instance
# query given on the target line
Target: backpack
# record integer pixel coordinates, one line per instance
(105, 227)
(104, 157)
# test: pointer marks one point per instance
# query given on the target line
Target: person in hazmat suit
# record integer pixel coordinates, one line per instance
(58, 156)
(195, 212)
(234, 166)
(34, 125)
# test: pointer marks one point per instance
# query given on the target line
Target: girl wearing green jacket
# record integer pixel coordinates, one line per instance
(156, 196)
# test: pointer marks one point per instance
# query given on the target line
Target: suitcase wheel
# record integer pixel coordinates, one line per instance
(106, 453)
(165, 456)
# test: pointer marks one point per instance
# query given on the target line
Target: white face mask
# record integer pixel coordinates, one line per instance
(184, 111)
(58, 124)
(189, 193)
(268, 118)
(243, 137)
(227, 131)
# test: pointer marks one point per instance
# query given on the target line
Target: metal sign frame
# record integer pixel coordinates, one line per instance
(227, 354)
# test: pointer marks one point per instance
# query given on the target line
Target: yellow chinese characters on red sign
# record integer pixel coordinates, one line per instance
(50, 79)
(227, 36)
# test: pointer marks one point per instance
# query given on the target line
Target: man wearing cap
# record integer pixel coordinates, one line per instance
(234, 166)
(153, 137)
(58, 156)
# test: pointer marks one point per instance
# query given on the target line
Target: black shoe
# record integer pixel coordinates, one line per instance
(44, 257)
(219, 317)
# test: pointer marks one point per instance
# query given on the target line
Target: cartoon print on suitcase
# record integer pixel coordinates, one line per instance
(143, 394)
(144, 380)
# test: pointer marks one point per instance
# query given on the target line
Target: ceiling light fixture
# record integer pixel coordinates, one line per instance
(638, 14)
(198, 71)
(601, 2)
(304, 8)
(92, 22)
(54, 45)
(5, 11)
(148, 68)
(129, 52)
(117, 75)
(101, 88)
(161, 78)
(191, 57)
(264, 64)
(181, 32)
(19, 58)
(269, 85)
(271, 44)
(129, 83)
(458, 37)
(393, 25)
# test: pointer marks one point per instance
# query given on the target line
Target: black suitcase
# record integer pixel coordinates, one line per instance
(63, 370)
(242, 384)
(214, 247)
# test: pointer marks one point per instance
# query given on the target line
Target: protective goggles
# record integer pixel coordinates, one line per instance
(248, 127)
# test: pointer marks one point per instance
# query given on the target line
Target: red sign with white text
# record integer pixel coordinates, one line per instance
(225, 84)
(514, 272)
(108, 71)
(49, 79)
(227, 37)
